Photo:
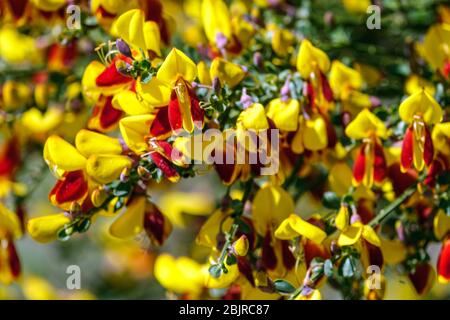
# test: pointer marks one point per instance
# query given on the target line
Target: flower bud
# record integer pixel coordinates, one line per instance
(45, 229)
(123, 48)
(143, 173)
(240, 246)
(258, 60)
(124, 175)
(98, 196)
(216, 85)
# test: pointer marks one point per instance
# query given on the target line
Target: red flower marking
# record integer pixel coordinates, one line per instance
(443, 263)
(71, 187)
(406, 156)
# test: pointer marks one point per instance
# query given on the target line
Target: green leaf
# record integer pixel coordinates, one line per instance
(83, 225)
(348, 268)
(284, 287)
(122, 189)
(328, 268)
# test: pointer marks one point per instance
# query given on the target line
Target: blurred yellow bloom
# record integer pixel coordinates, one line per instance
(14, 95)
(415, 83)
(284, 114)
(228, 72)
(18, 48)
(310, 59)
(38, 122)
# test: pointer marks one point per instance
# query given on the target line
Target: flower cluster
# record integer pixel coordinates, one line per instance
(361, 181)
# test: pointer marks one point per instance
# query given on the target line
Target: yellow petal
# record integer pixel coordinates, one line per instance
(365, 124)
(9, 221)
(62, 155)
(340, 178)
(254, 117)
(44, 229)
(441, 224)
(93, 143)
(130, 223)
(310, 58)
(441, 136)
(90, 90)
(306, 229)
(415, 83)
(134, 129)
(315, 134)
(351, 235)
(228, 73)
(182, 275)
(225, 279)
(130, 27)
(371, 236)
(49, 5)
(207, 236)
(106, 168)
(284, 113)
(156, 93)
(343, 78)
(152, 37)
(177, 65)
(271, 205)
(422, 104)
(342, 218)
(203, 73)
(394, 251)
(38, 122)
(216, 19)
(176, 203)
(285, 231)
(128, 102)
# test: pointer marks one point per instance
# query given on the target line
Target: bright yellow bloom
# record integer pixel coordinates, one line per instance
(294, 226)
(365, 125)
(420, 105)
(228, 72)
(284, 114)
(352, 233)
(311, 59)
(45, 229)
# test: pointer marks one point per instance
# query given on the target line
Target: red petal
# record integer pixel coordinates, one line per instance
(379, 165)
(162, 163)
(10, 157)
(109, 115)
(406, 157)
(288, 257)
(269, 259)
(421, 278)
(175, 117)
(18, 7)
(359, 167)
(310, 94)
(443, 263)
(197, 112)
(14, 261)
(245, 268)
(313, 250)
(326, 89)
(428, 152)
(401, 181)
(154, 225)
(110, 76)
(160, 125)
(72, 187)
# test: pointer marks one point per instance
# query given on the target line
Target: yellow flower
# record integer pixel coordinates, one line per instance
(182, 275)
(352, 233)
(140, 34)
(216, 20)
(240, 246)
(311, 59)
(441, 225)
(18, 48)
(435, 47)
(294, 226)
(37, 122)
(311, 134)
(49, 5)
(14, 95)
(44, 229)
(420, 104)
(441, 137)
(228, 73)
(254, 117)
(365, 125)
(284, 113)
(356, 6)
(415, 83)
